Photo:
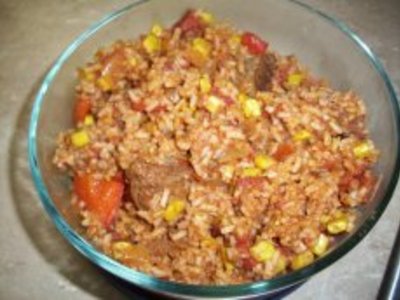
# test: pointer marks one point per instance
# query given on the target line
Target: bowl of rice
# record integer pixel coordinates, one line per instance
(211, 149)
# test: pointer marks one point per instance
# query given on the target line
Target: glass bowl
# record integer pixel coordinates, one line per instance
(328, 47)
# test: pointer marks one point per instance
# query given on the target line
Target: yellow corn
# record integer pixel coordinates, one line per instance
(174, 210)
(302, 135)
(224, 255)
(295, 79)
(152, 43)
(80, 138)
(242, 98)
(280, 264)
(262, 251)
(251, 108)
(132, 61)
(227, 171)
(209, 242)
(302, 260)
(156, 30)
(234, 40)
(202, 46)
(89, 120)
(251, 172)
(325, 219)
(363, 149)
(206, 17)
(229, 267)
(87, 74)
(105, 83)
(121, 249)
(213, 104)
(263, 161)
(338, 225)
(205, 84)
(321, 245)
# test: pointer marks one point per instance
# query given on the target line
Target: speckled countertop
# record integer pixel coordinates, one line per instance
(35, 261)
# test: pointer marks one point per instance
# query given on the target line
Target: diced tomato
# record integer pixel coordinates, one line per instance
(139, 106)
(253, 43)
(265, 114)
(251, 182)
(345, 182)
(283, 151)
(190, 23)
(329, 165)
(102, 197)
(81, 109)
(248, 263)
(243, 243)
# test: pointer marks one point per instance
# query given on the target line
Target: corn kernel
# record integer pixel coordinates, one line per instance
(120, 249)
(205, 16)
(174, 210)
(123, 250)
(325, 219)
(132, 61)
(302, 260)
(87, 74)
(105, 83)
(89, 120)
(263, 161)
(295, 79)
(321, 245)
(234, 40)
(202, 46)
(205, 84)
(338, 225)
(302, 135)
(209, 242)
(213, 104)
(80, 138)
(280, 264)
(242, 98)
(152, 43)
(251, 108)
(227, 171)
(156, 30)
(363, 149)
(224, 255)
(251, 172)
(229, 267)
(262, 251)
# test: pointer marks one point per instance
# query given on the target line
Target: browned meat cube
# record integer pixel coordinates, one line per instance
(146, 180)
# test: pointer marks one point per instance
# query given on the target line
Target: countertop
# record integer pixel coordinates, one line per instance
(35, 261)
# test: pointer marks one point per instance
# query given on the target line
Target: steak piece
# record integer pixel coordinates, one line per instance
(264, 72)
(147, 180)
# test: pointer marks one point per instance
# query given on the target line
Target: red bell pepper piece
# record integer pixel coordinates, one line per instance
(283, 151)
(190, 23)
(253, 43)
(81, 109)
(102, 197)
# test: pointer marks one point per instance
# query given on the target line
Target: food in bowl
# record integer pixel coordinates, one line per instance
(199, 155)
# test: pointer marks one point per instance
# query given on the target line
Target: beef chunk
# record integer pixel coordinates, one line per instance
(264, 72)
(146, 180)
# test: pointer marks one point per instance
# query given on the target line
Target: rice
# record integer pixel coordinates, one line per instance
(242, 188)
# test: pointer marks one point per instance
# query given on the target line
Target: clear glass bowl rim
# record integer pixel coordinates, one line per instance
(151, 283)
